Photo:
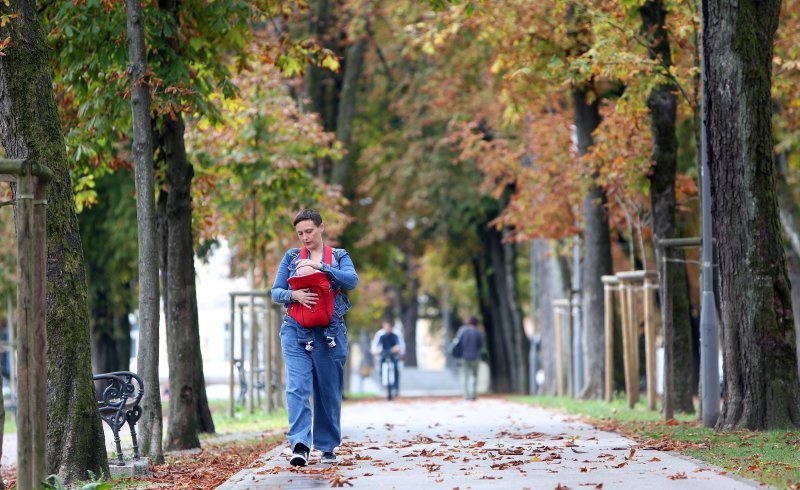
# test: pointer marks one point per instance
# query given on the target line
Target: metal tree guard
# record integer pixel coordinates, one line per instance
(268, 345)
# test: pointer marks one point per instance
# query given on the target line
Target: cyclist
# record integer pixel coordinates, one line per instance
(389, 345)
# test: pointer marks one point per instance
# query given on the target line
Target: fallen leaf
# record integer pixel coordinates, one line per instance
(340, 481)
(677, 476)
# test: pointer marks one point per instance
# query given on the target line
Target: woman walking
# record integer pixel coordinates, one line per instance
(314, 356)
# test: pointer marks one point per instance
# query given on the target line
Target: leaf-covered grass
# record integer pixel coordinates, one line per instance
(239, 441)
(208, 469)
(771, 457)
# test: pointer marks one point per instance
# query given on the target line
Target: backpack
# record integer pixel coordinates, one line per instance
(457, 349)
(320, 314)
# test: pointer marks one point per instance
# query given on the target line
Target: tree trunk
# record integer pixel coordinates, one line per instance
(662, 103)
(354, 61)
(147, 357)
(31, 129)
(314, 84)
(597, 255)
(495, 275)
(183, 340)
(552, 287)
(163, 247)
(409, 306)
(761, 381)
(180, 298)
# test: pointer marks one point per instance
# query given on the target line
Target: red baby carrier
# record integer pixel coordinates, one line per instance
(320, 314)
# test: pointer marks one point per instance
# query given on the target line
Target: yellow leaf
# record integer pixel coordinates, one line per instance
(331, 63)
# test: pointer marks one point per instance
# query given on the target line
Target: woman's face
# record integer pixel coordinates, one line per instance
(310, 234)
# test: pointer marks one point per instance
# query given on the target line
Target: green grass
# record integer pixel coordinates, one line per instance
(244, 421)
(360, 396)
(771, 457)
(10, 425)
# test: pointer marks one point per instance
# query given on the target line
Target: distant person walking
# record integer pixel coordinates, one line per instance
(467, 347)
(314, 362)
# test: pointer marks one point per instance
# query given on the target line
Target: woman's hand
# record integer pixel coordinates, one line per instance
(310, 263)
(304, 297)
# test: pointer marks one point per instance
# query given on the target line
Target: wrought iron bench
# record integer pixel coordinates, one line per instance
(120, 404)
(260, 385)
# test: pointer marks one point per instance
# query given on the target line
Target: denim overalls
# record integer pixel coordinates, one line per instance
(321, 370)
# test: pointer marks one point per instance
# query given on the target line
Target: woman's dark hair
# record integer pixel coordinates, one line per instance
(308, 214)
(473, 320)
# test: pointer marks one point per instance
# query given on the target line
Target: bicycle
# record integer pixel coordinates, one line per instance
(389, 375)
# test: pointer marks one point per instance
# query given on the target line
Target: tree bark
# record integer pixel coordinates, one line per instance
(183, 330)
(354, 61)
(148, 351)
(762, 390)
(409, 307)
(183, 340)
(495, 275)
(597, 255)
(662, 103)
(555, 282)
(31, 129)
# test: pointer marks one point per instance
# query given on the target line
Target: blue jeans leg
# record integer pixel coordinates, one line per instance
(328, 386)
(298, 385)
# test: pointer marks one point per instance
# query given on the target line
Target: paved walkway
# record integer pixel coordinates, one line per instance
(490, 443)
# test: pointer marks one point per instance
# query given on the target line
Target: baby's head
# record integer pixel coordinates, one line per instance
(305, 270)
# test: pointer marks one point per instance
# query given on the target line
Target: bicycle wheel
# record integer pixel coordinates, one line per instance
(386, 378)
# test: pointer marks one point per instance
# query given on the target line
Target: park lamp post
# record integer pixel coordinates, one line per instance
(709, 348)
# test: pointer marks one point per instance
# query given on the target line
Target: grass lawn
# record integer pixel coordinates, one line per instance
(244, 421)
(771, 457)
(10, 425)
(360, 396)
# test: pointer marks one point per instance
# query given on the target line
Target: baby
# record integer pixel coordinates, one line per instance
(305, 270)
(331, 331)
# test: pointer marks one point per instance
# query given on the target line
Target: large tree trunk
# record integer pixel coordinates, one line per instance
(30, 129)
(183, 339)
(150, 428)
(662, 103)
(183, 327)
(761, 381)
(354, 61)
(495, 274)
(597, 255)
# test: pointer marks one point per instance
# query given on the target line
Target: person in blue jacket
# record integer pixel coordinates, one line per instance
(317, 371)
